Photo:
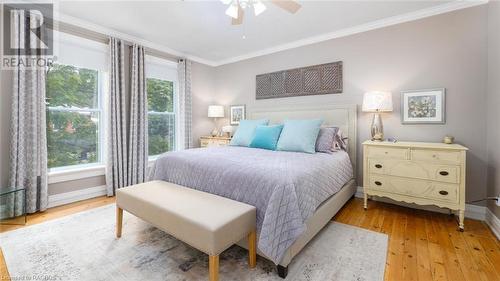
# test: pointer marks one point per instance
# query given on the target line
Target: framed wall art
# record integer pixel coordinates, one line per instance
(237, 113)
(423, 106)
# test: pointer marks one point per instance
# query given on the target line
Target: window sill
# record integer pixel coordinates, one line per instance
(84, 172)
(76, 173)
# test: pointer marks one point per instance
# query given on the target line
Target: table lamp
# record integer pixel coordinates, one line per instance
(376, 102)
(215, 111)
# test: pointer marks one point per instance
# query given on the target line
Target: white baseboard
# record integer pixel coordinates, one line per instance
(78, 195)
(493, 222)
(471, 211)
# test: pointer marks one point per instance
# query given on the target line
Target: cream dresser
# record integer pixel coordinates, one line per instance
(416, 172)
(209, 141)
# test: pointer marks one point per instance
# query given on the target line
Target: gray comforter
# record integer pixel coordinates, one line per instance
(285, 187)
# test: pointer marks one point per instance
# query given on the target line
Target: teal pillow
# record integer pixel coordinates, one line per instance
(245, 132)
(266, 137)
(299, 135)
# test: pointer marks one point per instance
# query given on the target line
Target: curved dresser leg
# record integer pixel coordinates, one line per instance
(365, 200)
(461, 214)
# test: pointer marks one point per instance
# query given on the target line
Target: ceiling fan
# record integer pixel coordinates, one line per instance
(236, 8)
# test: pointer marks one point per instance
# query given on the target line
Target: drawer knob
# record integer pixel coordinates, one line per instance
(443, 173)
(378, 166)
(378, 183)
(443, 192)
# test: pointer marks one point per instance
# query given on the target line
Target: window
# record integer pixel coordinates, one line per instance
(73, 116)
(161, 83)
(75, 87)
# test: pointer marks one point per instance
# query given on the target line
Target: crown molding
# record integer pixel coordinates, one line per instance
(412, 16)
(130, 38)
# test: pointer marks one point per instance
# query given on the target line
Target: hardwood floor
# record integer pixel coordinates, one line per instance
(422, 245)
(427, 246)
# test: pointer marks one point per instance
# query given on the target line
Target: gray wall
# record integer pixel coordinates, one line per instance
(493, 129)
(448, 51)
(203, 88)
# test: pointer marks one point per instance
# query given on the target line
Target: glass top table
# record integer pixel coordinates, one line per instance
(12, 205)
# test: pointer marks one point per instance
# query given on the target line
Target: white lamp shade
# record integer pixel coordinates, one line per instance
(377, 101)
(216, 111)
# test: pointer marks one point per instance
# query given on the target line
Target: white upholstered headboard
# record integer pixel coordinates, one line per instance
(342, 116)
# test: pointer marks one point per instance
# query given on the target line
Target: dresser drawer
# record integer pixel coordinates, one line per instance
(415, 169)
(434, 155)
(417, 188)
(387, 152)
(213, 142)
(221, 143)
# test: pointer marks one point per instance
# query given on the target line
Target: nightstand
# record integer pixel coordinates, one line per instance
(209, 141)
(416, 172)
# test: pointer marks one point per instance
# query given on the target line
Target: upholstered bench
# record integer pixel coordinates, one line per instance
(207, 222)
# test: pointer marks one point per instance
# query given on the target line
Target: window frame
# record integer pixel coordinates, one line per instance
(101, 145)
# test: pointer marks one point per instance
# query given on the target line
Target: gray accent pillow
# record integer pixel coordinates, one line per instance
(326, 139)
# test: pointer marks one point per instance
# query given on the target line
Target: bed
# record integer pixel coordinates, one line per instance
(295, 194)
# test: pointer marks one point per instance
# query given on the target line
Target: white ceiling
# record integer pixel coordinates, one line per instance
(201, 30)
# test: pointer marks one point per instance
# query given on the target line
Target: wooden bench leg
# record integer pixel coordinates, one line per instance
(213, 267)
(119, 220)
(252, 249)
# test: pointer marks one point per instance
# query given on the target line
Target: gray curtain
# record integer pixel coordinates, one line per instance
(127, 125)
(138, 132)
(28, 146)
(117, 162)
(185, 106)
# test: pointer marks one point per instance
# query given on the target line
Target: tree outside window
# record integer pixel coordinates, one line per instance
(161, 116)
(73, 116)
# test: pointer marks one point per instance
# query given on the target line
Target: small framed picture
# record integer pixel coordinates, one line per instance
(423, 106)
(237, 113)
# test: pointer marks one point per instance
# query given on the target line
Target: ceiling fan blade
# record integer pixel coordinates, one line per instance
(238, 20)
(288, 5)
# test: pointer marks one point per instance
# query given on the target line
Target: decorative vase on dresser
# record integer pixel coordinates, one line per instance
(416, 172)
(209, 141)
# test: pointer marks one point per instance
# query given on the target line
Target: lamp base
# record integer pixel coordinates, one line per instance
(215, 131)
(377, 128)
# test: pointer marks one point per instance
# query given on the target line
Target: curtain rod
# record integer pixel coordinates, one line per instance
(103, 38)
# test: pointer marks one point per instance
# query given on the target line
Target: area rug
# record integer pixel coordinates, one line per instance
(83, 247)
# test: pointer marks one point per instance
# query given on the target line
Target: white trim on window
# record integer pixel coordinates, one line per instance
(75, 196)
(160, 61)
(76, 172)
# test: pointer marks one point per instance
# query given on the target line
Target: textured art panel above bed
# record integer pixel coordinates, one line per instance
(305, 81)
